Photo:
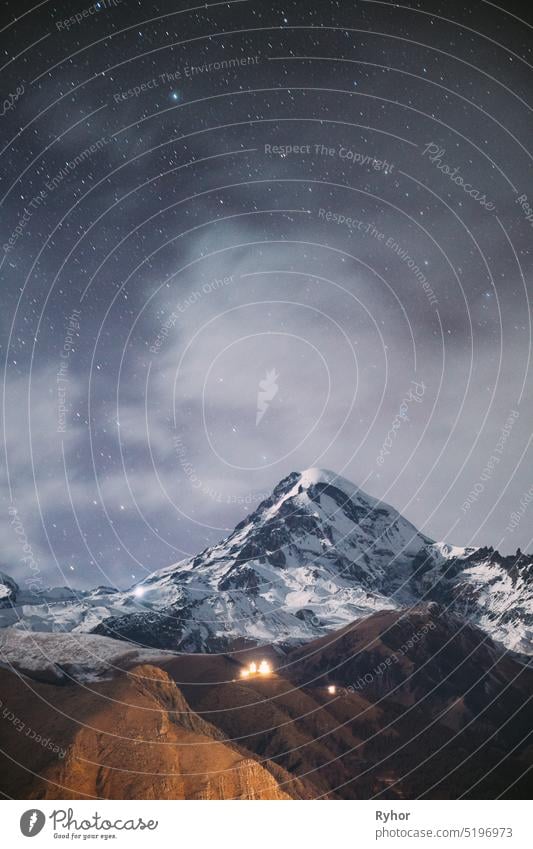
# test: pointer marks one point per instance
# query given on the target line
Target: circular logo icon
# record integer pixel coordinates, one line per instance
(32, 822)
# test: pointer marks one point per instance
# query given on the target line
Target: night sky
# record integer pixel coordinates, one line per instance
(241, 239)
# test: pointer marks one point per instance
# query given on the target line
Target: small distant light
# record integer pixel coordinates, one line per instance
(139, 591)
(332, 689)
(263, 668)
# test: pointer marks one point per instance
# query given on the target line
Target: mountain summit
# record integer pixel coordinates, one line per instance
(316, 555)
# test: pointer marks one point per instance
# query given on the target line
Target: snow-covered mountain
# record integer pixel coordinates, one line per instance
(57, 608)
(317, 555)
(484, 587)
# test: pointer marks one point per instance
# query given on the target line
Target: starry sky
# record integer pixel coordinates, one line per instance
(241, 239)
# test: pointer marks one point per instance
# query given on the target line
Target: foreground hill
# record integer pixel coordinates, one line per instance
(132, 737)
(424, 706)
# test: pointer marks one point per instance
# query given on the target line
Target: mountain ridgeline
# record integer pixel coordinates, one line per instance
(315, 556)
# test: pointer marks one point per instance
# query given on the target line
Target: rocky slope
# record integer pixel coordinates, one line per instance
(133, 737)
(424, 706)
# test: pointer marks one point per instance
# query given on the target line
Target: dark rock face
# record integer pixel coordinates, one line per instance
(150, 628)
(355, 513)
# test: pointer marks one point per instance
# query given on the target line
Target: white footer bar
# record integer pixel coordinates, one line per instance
(268, 825)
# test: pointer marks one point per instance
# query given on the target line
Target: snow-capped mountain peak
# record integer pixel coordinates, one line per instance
(315, 525)
(317, 554)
